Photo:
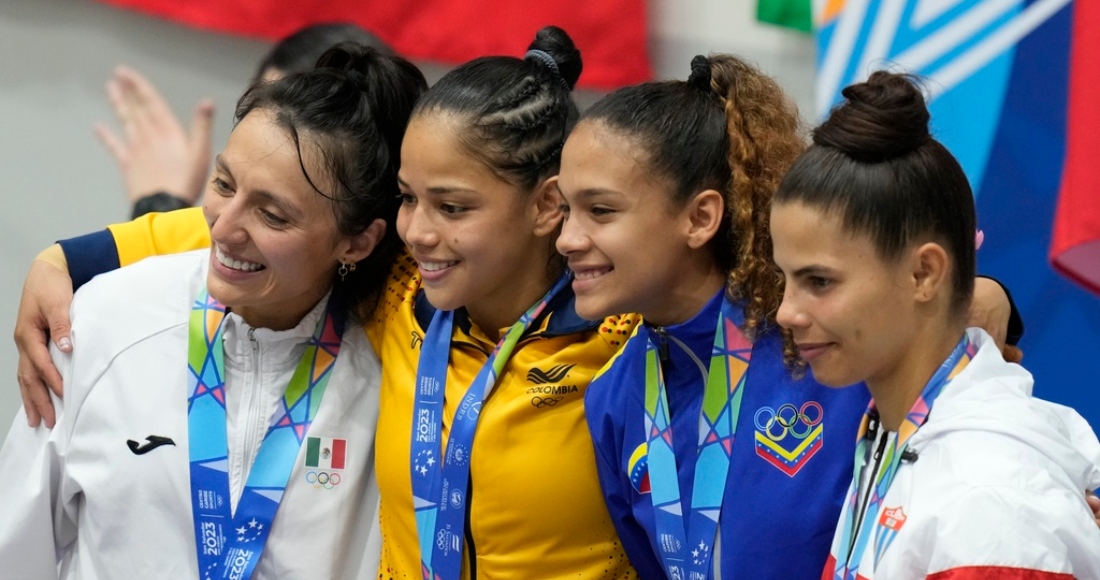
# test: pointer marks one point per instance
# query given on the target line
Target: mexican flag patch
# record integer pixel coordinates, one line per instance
(325, 452)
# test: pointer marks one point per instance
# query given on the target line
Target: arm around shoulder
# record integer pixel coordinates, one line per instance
(156, 234)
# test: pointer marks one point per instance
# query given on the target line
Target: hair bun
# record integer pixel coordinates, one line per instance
(700, 73)
(883, 118)
(556, 43)
(351, 61)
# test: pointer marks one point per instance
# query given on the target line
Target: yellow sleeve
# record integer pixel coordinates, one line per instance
(156, 234)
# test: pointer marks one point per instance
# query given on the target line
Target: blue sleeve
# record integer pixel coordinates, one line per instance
(617, 495)
(90, 255)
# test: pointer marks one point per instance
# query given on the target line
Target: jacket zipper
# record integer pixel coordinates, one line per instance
(870, 488)
(253, 402)
(662, 343)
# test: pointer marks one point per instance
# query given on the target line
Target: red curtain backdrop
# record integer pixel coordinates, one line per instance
(1075, 248)
(610, 33)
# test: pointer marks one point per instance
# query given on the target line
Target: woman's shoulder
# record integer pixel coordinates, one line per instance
(142, 279)
(1044, 528)
(140, 299)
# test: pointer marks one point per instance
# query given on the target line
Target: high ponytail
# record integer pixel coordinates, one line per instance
(515, 112)
(354, 107)
(729, 128)
(762, 128)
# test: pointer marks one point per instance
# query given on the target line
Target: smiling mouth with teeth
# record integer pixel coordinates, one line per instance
(590, 273)
(436, 266)
(233, 264)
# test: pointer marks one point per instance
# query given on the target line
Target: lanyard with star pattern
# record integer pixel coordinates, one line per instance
(229, 544)
(856, 535)
(440, 487)
(686, 545)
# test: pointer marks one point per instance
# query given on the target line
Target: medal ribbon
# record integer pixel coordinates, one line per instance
(440, 487)
(847, 569)
(229, 544)
(686, 548)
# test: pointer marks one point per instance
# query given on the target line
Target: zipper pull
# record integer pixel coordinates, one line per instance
(252, 339)
(662, 344)
(881, 448)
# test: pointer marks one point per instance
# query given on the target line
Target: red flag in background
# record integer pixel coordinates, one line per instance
(1075, 246)
(611, 34)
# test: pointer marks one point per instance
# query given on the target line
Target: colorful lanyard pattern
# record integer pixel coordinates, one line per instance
(229, 544)
(686, 548)
(847, 568)
(440, 487)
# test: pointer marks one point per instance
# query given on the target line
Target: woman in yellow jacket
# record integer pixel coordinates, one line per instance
(478, 217)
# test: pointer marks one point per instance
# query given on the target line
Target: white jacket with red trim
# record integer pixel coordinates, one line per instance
(996, 490)
(80, 502)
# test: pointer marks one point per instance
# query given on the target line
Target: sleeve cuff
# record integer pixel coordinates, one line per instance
(90, 255)
(1015, 321)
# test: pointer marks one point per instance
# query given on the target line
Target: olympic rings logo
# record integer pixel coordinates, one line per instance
(323, 479)
(777, 424)
(442, 539)
(539, 402)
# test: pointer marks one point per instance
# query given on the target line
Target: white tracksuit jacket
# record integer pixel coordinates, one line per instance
(78, 503)
(997, 489)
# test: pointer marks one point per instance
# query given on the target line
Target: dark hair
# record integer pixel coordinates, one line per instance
(515, 112)
(299, 51)
(874, 164)
(729, 127)
(353, 107)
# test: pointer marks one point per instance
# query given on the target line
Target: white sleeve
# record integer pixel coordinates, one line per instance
(1080, 434)
(35, 522)
(995, 532)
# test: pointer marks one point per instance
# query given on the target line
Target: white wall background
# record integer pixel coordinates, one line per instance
(56, 180)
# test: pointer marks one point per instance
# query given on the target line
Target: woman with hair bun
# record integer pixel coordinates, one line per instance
(715, 461)
(959, 473)
(217, 417)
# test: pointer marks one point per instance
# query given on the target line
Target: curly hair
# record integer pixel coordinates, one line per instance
(729, 128)
(765, 138)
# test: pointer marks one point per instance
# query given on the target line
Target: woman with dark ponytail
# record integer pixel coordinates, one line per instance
(217, 417)
(715, 461)
(486, 362)
(959, 473)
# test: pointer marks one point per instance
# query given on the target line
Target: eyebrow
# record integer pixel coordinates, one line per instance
(275, 200)
(812, 270)
(439, 190)
(594, 193)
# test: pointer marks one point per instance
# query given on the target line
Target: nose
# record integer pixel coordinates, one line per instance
(226, 217)
(572, 238)
(790, 315)
(414, 227)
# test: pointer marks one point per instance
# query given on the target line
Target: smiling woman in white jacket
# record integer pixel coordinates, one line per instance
(959, 473)
(218, 422)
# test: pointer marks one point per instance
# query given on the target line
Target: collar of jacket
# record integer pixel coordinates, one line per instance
(559, 318)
